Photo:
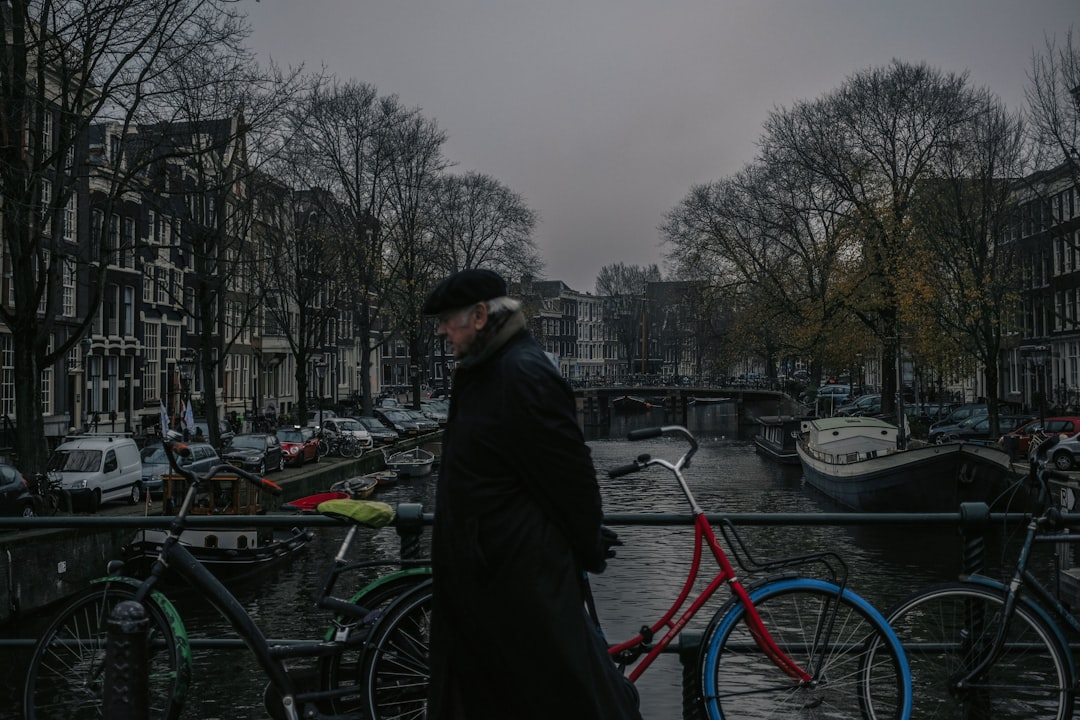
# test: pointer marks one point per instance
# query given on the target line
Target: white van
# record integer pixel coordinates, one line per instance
(101, 467)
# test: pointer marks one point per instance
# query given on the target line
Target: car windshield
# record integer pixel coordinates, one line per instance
(292, 436)
(75, 460)
(248, 442)
(349, 425)
(154, 455)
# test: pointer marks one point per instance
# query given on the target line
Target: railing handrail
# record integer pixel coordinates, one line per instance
(619, 518)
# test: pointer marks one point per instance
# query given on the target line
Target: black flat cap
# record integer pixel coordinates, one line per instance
(463, 289)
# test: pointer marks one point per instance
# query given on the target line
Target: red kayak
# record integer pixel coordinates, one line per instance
(309, 503)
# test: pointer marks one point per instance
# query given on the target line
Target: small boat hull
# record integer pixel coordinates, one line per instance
(416, 462)
(229, 553)
(777, 437)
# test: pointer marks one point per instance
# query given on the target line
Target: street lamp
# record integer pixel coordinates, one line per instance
(186, 362)
(320, 370)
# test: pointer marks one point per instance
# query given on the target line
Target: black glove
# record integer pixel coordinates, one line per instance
(609, 540)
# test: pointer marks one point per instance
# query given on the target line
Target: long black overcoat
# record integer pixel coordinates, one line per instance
(517, 519)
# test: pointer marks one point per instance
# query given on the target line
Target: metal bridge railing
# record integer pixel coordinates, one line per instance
(973, 520)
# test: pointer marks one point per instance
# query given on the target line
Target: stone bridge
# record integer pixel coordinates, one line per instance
(596, 405)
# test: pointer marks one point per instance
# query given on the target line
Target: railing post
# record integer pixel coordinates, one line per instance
(410, 525)
(126, 694)
(689, 650)
(974, 519)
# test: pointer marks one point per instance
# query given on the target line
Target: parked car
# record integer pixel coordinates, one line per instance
(98, 468)
(424, 424)
(381, 433)
(299, 445)
(395, 418)
(956, 416)
(1018, 442)
(225, 431)
(155, 464)
(349, 426)
(836, 394)
(257, 452)
(862, 405)
(1065, 454)
(978, 427)
(15, 496)
(930, 411)
(437, 410)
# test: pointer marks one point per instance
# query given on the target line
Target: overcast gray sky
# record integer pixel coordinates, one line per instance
(603, 114)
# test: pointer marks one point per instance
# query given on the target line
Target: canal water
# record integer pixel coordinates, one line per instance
(885, 563)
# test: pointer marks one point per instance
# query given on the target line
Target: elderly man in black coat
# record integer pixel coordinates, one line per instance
(517, 522)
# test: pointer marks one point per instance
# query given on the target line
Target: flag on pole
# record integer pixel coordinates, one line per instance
(164, 420)
(189, 419)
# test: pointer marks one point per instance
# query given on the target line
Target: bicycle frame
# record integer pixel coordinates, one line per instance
(628, 651)
(175, 557)
(1024, 578)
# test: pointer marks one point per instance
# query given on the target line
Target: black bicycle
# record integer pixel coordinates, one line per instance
(67, 673)
(982, 648)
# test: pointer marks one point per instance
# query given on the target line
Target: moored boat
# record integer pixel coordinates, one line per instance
(863, 464)
(776, 438)
(415, 462)
(630, 404)
(229, 552)
(356, 488)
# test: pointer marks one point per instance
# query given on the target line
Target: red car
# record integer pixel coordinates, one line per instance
(298, 445)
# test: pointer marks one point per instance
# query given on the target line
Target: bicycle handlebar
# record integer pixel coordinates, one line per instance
(642, 461)
(173, 448)
(655, 432)
(645, 433)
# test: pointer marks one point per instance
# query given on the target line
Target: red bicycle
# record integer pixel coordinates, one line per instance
(788, 646)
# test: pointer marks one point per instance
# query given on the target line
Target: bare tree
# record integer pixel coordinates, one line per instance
(347, 144)
(771, 242)
(1053, 109)
(873, 142)
(479, 222)
(415, 167)
(69, 65)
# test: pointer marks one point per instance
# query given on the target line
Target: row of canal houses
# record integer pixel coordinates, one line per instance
(138, 353)
(171, 229)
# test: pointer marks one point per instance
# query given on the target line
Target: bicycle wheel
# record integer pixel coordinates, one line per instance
(857, 663)
(397, 664)
(342, 673)
(947, 629)
(66, 676)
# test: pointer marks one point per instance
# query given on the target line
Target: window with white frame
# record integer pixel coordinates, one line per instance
(67, 280)
(7, 376)
(69, 218)
(177, 286)
(46, 200)
(171, 342)
(148, 283)
(162, 286)
(127, 320)
(151, 379)
(127, 254)
(46, 132)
